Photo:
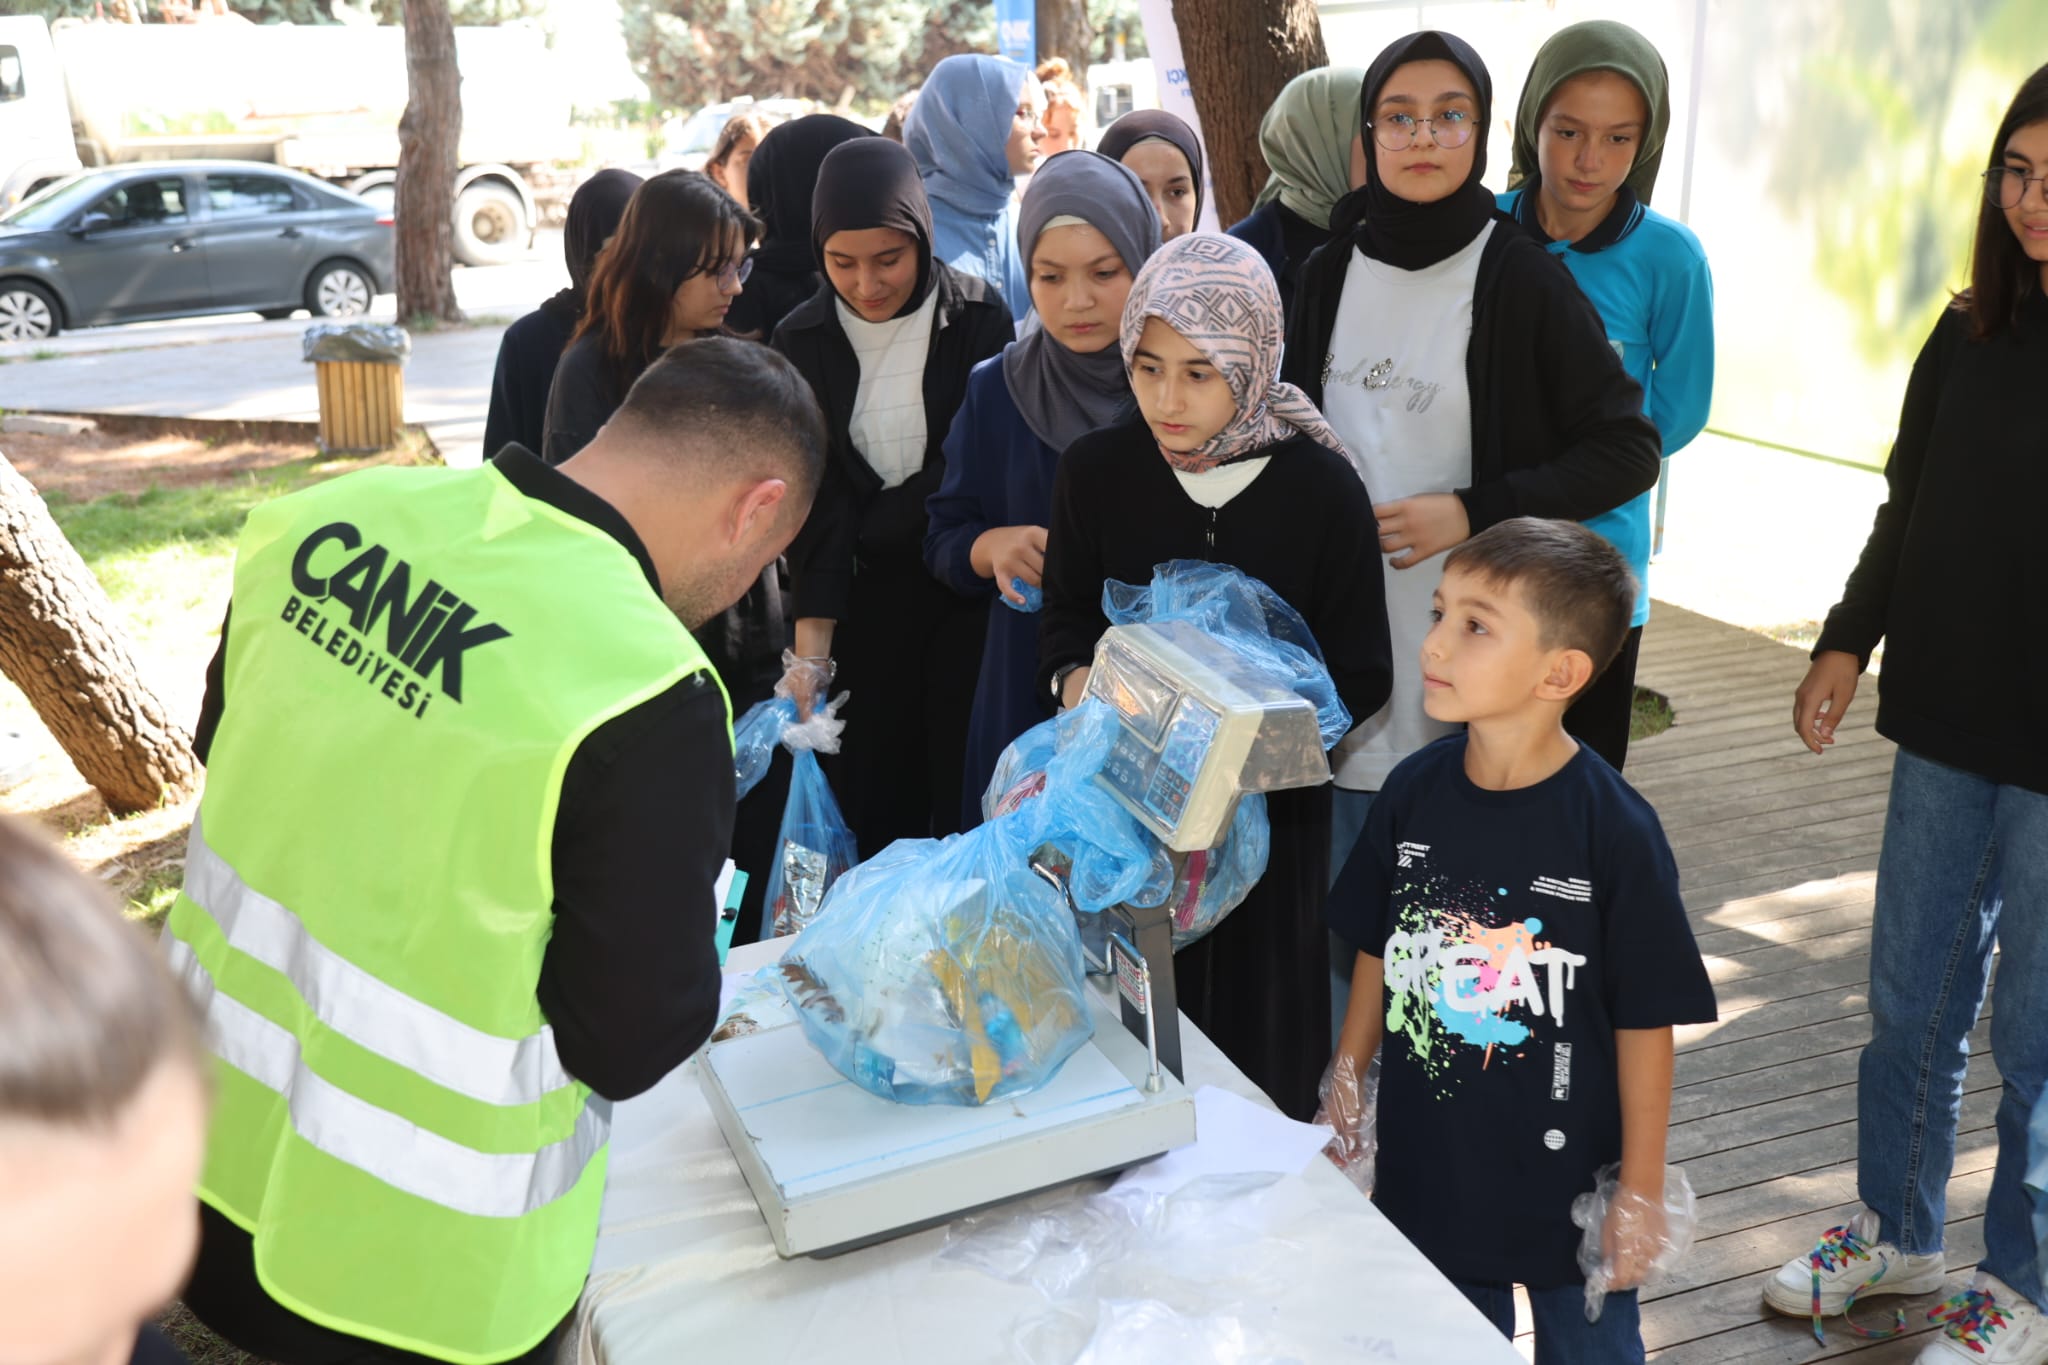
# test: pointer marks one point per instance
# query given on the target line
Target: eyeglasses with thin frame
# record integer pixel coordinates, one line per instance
(732, 276)
(2006, 186)
(1397, 132)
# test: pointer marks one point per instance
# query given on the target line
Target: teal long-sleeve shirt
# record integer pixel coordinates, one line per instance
(1647, 275)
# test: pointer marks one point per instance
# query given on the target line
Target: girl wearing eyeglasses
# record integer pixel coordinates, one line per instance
(887, 343)
(1588, 139)
(669, 273)
(1460, 365)
(1951, 580)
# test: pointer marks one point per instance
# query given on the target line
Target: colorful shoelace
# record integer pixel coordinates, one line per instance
(1971, 1317)
(1837, 1248)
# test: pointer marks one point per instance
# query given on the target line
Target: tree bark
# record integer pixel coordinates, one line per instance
(1238, 54)
(427, 138)
(1064, 31)
(61, 644)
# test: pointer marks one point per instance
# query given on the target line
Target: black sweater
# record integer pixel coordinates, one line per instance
(854, 517)
(527, 355)
(1954, 573)
(1117, 511)
(1557, 425)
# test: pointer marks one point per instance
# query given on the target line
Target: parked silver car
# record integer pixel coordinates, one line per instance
(175, 239)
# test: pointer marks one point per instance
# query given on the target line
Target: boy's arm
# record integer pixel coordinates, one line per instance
(1635, 1226)
(1359, 1039)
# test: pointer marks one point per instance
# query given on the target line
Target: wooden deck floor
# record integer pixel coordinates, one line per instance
(1777, 849)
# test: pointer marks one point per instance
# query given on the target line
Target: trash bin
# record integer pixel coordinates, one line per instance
(360, 368)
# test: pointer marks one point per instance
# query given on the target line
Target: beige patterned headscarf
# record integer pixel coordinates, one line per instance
(1219, 294)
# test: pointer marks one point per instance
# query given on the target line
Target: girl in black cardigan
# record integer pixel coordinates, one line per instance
(887, 343)
(1951, 580)
(1225, 464)
(1458, 361)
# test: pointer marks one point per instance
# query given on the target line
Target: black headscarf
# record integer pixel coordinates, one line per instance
(594, 213)
(780, 179)
(1404, 234)
(872, 182)
(1142, 125)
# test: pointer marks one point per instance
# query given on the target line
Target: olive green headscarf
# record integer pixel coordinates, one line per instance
(1306, 137)
(1597, 45)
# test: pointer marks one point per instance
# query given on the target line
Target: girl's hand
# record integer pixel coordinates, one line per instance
(1823, 699)
(1009, 552)
(1413, 529)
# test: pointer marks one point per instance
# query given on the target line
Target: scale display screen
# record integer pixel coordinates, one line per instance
(1200, 728)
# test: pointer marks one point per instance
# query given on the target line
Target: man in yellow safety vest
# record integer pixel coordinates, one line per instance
(450, 889)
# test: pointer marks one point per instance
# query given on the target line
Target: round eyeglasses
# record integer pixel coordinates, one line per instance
(733, 276)
(1397, 132)
(2005, 186)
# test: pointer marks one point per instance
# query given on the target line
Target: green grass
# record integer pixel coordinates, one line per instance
(164, 556)
(1650, 715)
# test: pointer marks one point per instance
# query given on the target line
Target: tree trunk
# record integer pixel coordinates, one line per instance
(427, 138)
(61, 645)
(1238, 54)
(1064, 31)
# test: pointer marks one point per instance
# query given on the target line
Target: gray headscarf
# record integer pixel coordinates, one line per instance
(1061, 394)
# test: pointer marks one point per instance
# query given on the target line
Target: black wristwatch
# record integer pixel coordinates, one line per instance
(1059, 683)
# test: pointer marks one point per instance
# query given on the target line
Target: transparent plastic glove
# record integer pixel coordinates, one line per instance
(1630, 1238)
(1349, 1103)
(805, 681)
(819, 731)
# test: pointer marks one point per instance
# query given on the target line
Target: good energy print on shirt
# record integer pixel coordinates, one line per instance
(1468, 981)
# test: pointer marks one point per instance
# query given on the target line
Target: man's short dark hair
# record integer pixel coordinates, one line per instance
(1577, 585)
(733, 407)
(87, 1008)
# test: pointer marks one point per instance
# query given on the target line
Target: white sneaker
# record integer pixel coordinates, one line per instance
(1987, 1324)
(1847, 1266)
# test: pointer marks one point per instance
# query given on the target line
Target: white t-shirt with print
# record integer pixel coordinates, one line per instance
(1394, 388)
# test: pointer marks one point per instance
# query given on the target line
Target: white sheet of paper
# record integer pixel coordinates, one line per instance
(1233, 1136)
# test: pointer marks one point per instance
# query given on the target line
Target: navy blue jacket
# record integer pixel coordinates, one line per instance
(998, 473)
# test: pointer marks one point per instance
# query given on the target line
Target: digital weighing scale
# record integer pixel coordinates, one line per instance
(834, 1167)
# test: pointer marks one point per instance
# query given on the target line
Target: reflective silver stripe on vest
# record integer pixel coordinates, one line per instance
(376, 1141)
(361, 1008)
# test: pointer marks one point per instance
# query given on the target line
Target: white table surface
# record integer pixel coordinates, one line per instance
(685, 1270)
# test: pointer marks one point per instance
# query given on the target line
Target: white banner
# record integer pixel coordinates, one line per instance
(1176, 95)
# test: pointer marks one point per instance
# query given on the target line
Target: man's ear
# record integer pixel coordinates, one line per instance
(755, 508)
(1568, 673)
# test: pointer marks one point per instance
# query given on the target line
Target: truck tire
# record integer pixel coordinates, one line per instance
(339, 289)
(490, 225)
(27, 312)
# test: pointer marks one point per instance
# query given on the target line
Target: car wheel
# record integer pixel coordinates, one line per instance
(338, 290)
(275, 314)
(490, 225)
(27, 312)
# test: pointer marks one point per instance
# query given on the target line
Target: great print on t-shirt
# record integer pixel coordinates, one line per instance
(1470, 980)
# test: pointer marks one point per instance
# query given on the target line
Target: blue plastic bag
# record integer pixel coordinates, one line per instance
(1034, 598)
(814, 849)
(942, 972)
(754, 740)
(1256, 621)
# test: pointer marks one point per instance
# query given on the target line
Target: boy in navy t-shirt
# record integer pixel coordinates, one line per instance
(1523, 952)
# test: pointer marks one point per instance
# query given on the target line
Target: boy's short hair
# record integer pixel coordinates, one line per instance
(1577, 585)
(87, 1007)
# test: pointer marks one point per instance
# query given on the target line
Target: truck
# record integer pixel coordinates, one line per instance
(323, 99)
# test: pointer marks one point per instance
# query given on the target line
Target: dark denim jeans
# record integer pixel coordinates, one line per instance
(1563, 1336)
(1964, 867)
